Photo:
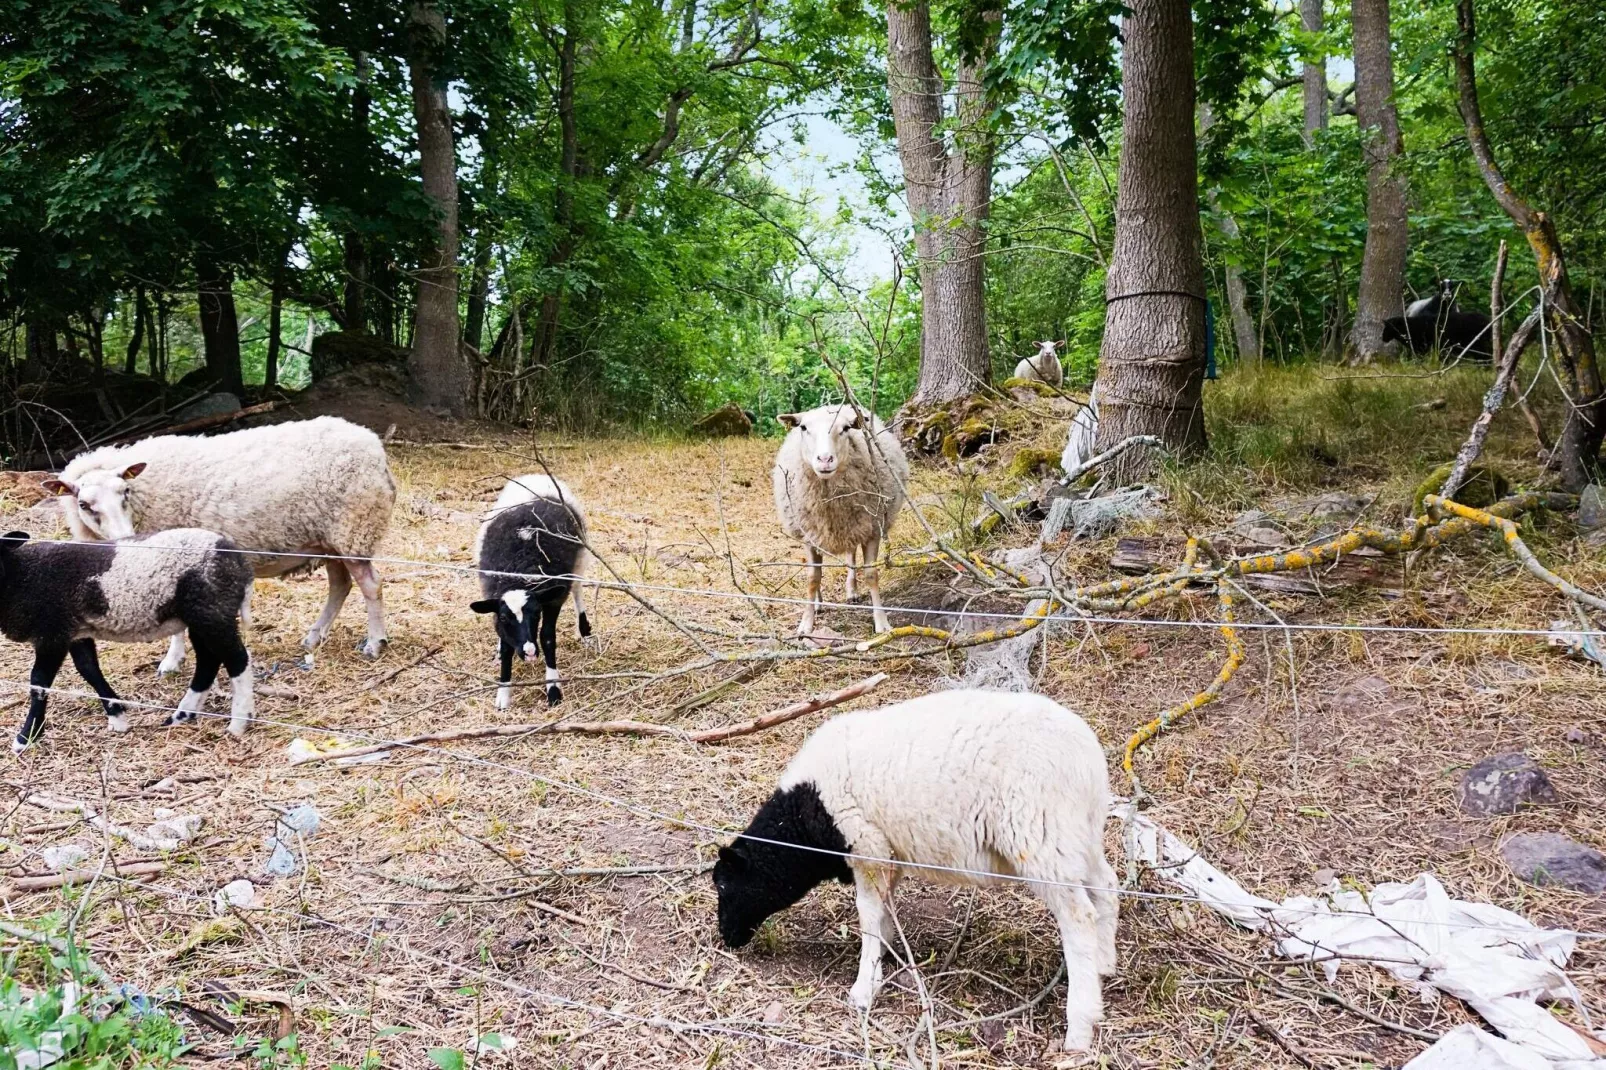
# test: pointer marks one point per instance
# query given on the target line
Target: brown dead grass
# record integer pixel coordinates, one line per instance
(1340, 752)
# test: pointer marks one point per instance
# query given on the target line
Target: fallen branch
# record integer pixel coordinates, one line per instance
(603, 728)
(1114, 451)
(27, 885)
(200, 423)
(1492, 400)
(1518, 548)
(60, 947)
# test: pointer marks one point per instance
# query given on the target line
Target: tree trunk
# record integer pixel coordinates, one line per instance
(546, 331)
(1153, 358)
(440, 376)
(948, 193)
(478, 291)
(1315, 74)
(1387, 239)
(1244, 336)
(270, 371)
(1578, 450)
(356, 252)
(220, 326)
(142, 312)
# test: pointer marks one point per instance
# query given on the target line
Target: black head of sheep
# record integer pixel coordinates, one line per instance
(761, 873)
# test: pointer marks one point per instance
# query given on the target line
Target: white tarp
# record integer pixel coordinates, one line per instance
(1497, 962)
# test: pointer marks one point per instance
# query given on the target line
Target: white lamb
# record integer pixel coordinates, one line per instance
(309, 487)
(839, 491)
(1044, 365)
(982, 781)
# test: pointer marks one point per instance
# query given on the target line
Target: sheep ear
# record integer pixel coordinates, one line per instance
(60, 488)
(485, 605)
(787, 419)
(858, 419)
(133, 470)
(732, 859)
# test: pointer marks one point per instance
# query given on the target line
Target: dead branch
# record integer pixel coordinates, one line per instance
(27, 885)
(1116, 450)
(604, 728)
(1492, 400)
(1518, 548)
(200, 423)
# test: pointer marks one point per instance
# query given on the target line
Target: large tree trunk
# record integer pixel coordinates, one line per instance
(1152, 362)
(220, 326)
(1578, 449)
(545, 342)
(440, 376)
(948, 193)
(1382, 284)
(1315, 74)
(142, 312)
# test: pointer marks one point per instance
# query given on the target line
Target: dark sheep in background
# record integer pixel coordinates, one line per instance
(1465, 335)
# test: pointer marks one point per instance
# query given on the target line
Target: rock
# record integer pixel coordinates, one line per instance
(1577, 735)
(1592, 508)
(775, 1013)
(336, 351)
(1547, 858)
(1335, 506)
(1260, 529)
(64, 857)
(1504, 784)
(1366, 693)
(235, 895)
(172, 829)
(291, 831)
(1323, 877)
(727, 421)
(219, 404)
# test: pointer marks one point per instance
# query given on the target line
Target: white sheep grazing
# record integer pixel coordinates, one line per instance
(839, 491)
(1044, 365)
(307, 487)
(987, 782)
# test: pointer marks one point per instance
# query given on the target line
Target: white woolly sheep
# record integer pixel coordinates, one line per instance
(986, 782)
(839, 490)
(63, 596)
(308, 487)
(536, 530)
(1044, 365)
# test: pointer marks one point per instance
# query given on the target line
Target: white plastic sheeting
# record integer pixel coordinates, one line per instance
(1497, 962)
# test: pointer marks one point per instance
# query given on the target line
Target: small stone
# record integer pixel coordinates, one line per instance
(1323, 877)
(1504, 784)
(1592, 508)
(1577, 735)
(1335, 506)
(1365, 694)
(1547, 858)
(237, 894)
(68, 855)
(774, 1013)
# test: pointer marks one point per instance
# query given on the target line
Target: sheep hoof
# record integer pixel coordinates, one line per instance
(305, 664)
(168, 668)
(504, 697)
(373, 647)
(860, 1000)
(554, 695)
(1078, 1042)
(118, 724)
(19, 745)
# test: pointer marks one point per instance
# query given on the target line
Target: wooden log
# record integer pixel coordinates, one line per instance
(45, 882)
(1350, 570)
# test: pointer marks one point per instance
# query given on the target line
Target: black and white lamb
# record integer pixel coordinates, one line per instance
(975, 782)
(63, 596)
(531, 553)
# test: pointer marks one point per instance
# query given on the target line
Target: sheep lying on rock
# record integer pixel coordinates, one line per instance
(531, 549)
(310, 487)
(1044, 365)
(838, 487)
(63, 596)
(981, 781)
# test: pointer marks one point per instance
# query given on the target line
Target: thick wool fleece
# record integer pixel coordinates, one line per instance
(981, 780)
(309, 486)
(527, 488)
(853, 507)
(1044, 366)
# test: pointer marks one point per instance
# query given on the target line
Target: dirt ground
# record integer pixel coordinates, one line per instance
(420, 919)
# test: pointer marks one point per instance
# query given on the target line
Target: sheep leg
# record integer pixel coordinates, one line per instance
(372, 594)
(812, 605)
(853, 577)
(237, 660)
(46, 664)
(582, 623)
(173, 658)
(339, 588)
(207, 663)
(549, 651)
(1084, 1000)
(871, 887)
(1107, 904)
(504, 678)
(872, 580)
(87, 661)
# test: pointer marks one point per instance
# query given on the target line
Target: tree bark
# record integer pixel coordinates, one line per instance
(439, 374)
(1382, 282)
(1152, 363)
(1315, 74)
(142, 312)
(1578, 448)
(220, 326)
(546, 331)
(948, 193)
(270, 370)
(479, 288)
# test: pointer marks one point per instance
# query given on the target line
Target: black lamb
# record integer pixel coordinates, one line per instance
(531, 551)
(63, 596)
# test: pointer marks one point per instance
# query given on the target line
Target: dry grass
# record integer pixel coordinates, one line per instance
(1329, 751)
